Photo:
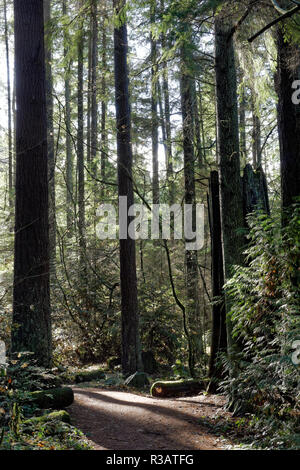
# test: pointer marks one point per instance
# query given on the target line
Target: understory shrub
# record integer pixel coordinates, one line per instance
(263, 377)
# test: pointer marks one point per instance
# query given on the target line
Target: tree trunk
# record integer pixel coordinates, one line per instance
(288, 124)
(256, 134)
(242, 118)
(203, 151)
(103, 102)
(131, 359)
(31, 329)
(80, 151)
(9, 116)
(191, 261)
(166, 97)
(197, 130)
(89, 94)
(154, 117)
(50, 134)
(69, 156)
(228, 153)
(218, 337)
(94, 107)
(162, 122)
(255, 191)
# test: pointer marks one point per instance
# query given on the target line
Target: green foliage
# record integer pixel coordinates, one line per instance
(16, 379)
(179, 370)
(51, 435)
(266, 318)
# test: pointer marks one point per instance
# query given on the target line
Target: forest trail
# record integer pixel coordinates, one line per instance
(119, 420)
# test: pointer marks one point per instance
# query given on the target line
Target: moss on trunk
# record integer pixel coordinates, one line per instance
(61, 415)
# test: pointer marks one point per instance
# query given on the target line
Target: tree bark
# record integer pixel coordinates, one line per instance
(288, 124)
(94, 107)
(31, 329)
(256, 133)
(50, 134)
(218, 337)
(9, 115)
(167, 108)
(131, 357)
(242, 118)
(191, 261)
(154, 116)
(228, 152)
(69, 156)
(255, 192)
(103, 100)
(80, 151)
(197, 127)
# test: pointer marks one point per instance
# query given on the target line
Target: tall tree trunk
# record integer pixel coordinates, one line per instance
(197, 130)
(89, 93)
(9, 115)
(242, 118)
(256, 134)
(131, 359)
(50, 134)
(14, 112)
(191, 262)
(69, 156)
(288, 124)
(162, 121)
(154, 117)
(218, 337)
(80, 150)
(103, 100)
(228, 152)
(166, 97)
(255, 191)
(94, 107)
(203, 152)
(31, 329)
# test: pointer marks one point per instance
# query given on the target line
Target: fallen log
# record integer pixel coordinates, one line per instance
(61, 415)
(56, 398)
(89, 375)
(173, 388)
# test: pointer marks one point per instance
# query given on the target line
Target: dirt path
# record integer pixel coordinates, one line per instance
(117, 420)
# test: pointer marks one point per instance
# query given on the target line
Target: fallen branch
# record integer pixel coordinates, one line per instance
(288, 14)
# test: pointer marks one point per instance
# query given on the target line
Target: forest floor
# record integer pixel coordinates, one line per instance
(123, 420)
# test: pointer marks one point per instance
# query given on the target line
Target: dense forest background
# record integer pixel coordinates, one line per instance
(170, 102)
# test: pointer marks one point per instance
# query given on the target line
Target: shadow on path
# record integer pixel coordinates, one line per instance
(118, 420)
